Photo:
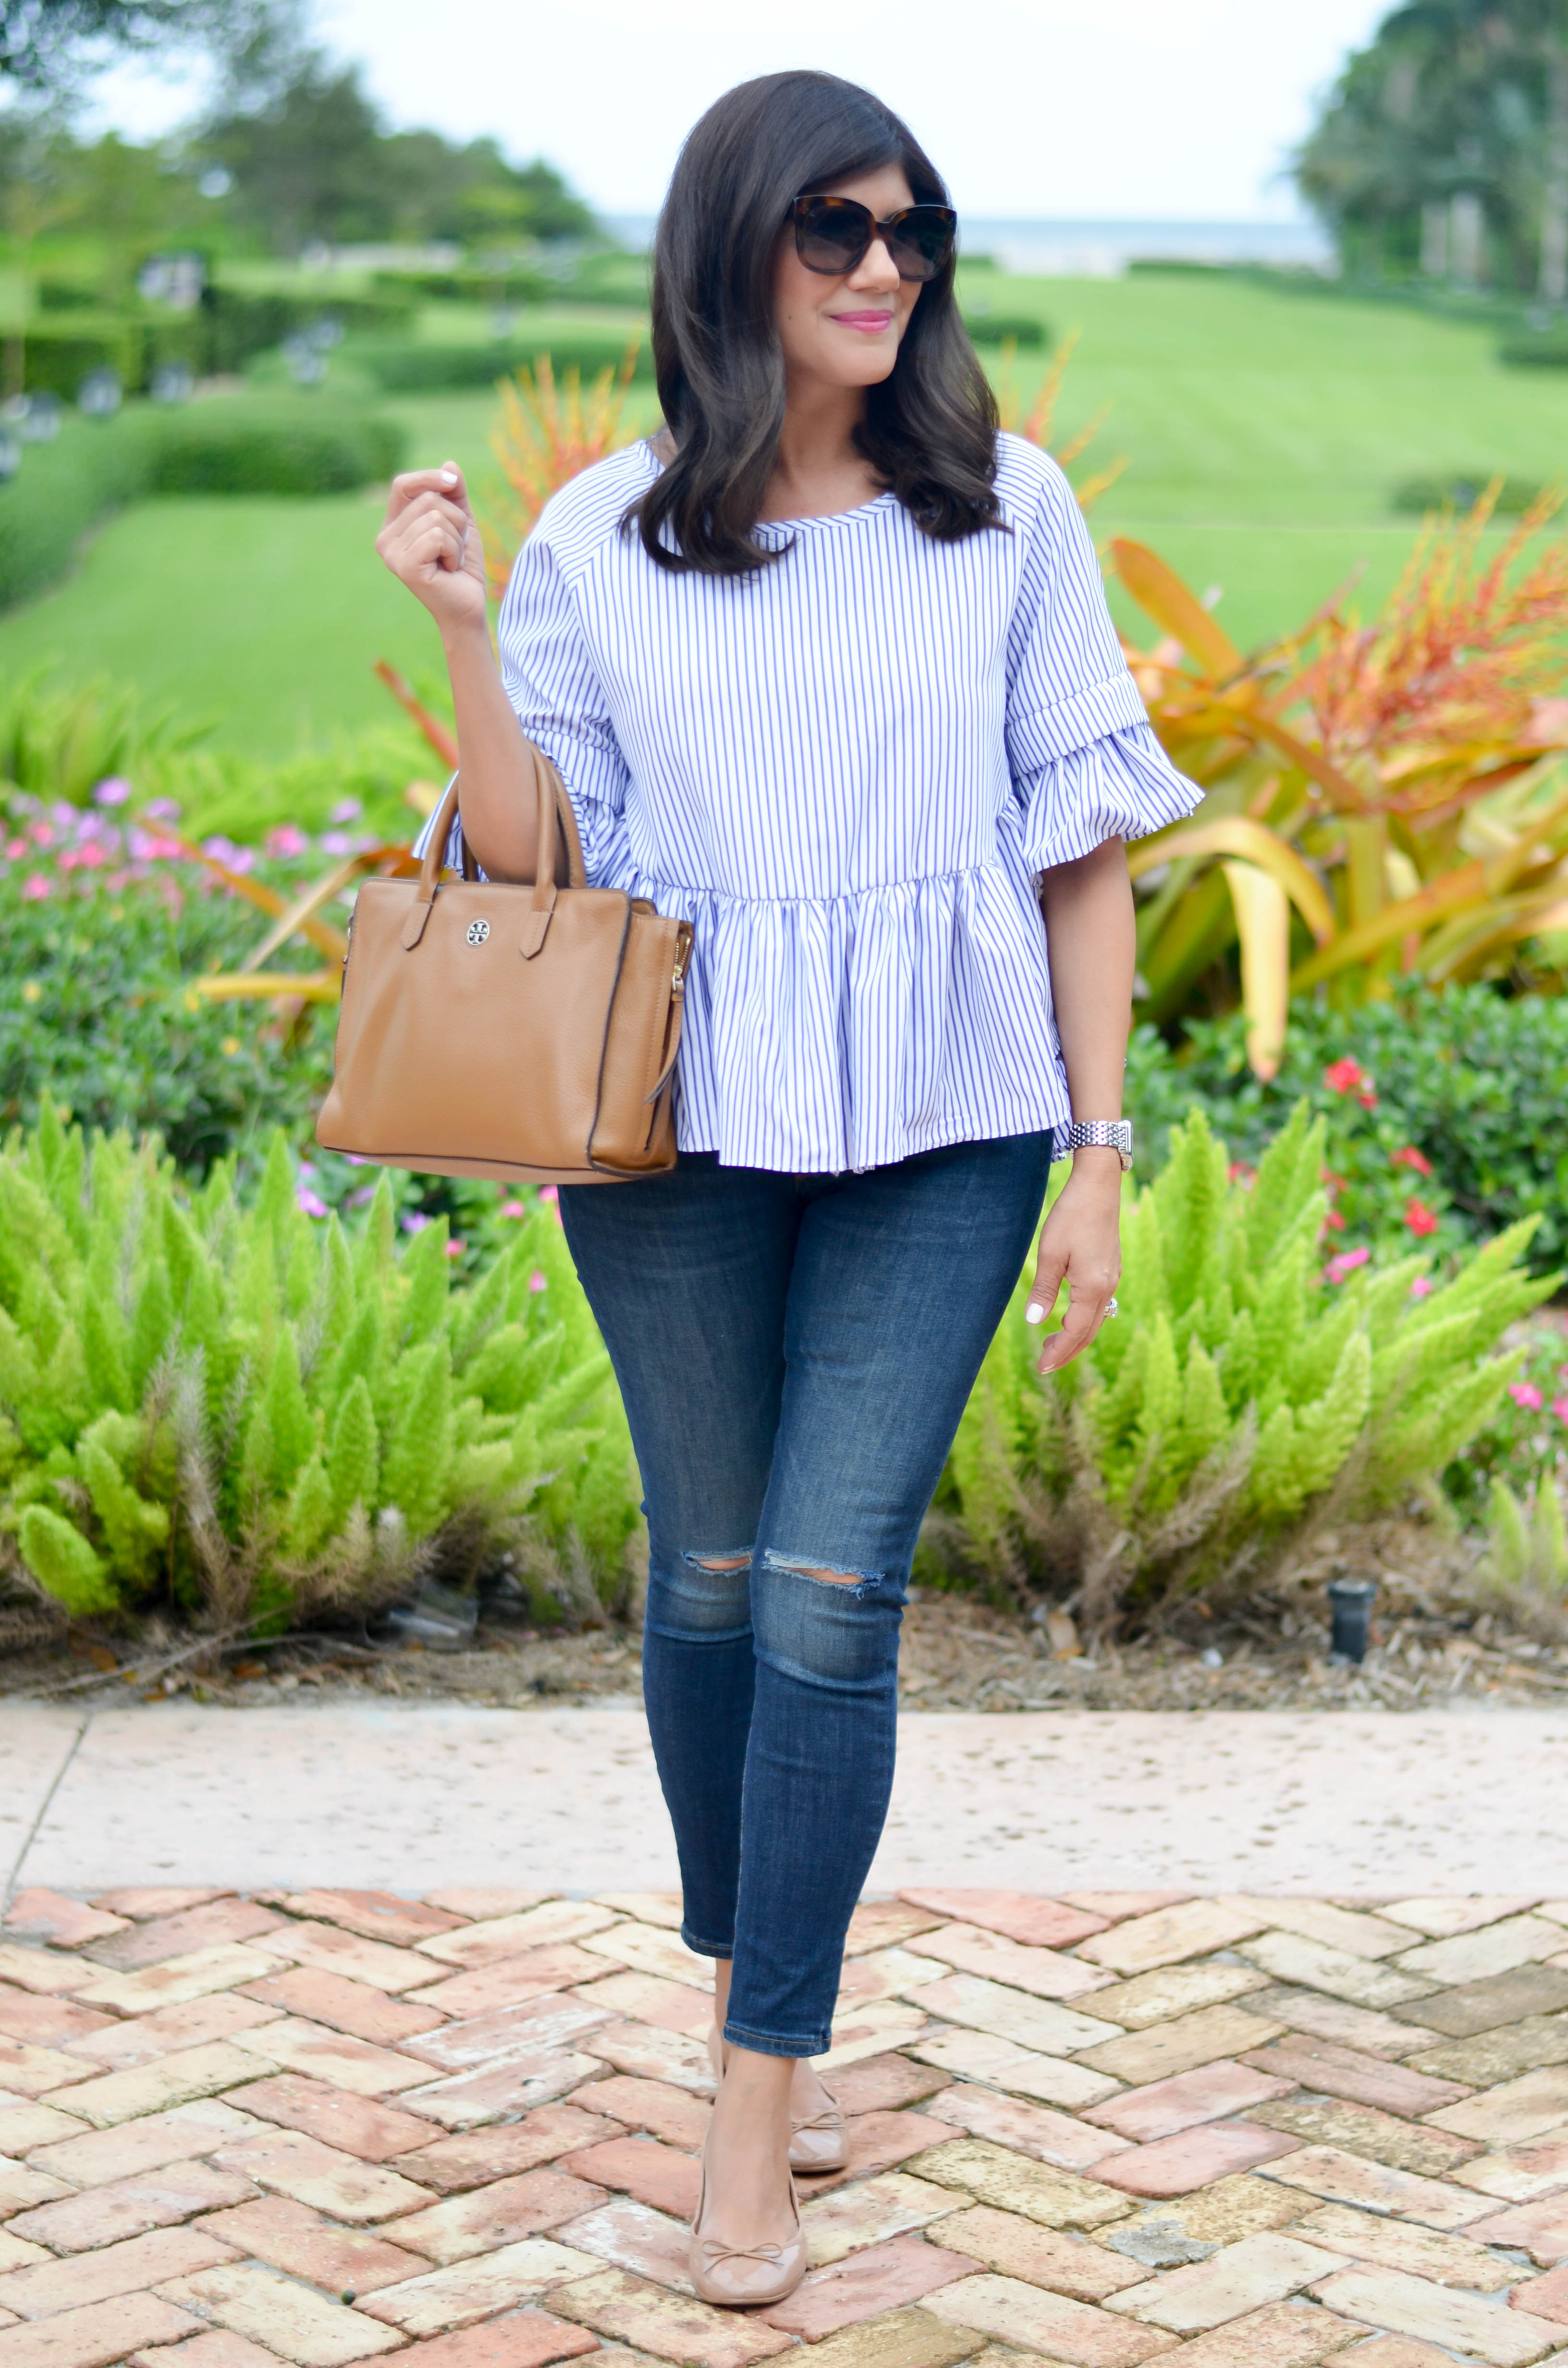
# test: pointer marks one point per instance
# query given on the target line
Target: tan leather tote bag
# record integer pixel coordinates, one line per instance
(489, 1028)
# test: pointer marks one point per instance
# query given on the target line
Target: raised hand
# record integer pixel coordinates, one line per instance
(430, 541)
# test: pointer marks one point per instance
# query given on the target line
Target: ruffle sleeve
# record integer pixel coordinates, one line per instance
(559, 702)
(1084, 761)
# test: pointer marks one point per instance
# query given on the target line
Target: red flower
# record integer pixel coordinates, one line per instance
(1343, 1076)
(1420, 1219)
(1334, 1222)
(1410, 1157)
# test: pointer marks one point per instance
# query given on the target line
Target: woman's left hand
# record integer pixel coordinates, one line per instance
(1080, 1243)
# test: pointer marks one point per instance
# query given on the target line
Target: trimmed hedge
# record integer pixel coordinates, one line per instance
(410, 368)
(221, 448)
(1007, 328)
(64, 488)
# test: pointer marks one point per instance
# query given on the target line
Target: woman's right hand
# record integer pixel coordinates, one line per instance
(430, 541)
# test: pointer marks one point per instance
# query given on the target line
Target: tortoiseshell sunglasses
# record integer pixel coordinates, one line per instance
(833, 235)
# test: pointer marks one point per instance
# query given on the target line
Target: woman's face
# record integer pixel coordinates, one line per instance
(845, 330)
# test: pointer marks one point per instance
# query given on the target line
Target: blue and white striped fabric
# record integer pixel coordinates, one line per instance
(846, 772)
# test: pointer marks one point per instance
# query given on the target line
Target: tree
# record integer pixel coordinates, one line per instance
(48, 45)
(1444, 146)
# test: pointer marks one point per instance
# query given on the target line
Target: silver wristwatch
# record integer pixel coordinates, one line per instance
(1105, 1134)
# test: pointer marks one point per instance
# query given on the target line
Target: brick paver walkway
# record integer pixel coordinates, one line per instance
(1090, 2131)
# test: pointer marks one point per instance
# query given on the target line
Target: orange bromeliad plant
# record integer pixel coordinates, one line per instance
(546, 436)
(1393, 794)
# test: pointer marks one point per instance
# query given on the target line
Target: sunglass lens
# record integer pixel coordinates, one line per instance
(920, 240)
(831, 233)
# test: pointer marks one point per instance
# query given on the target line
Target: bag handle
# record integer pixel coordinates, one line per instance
(555, 832)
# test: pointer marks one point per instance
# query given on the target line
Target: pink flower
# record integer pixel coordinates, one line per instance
(1423, 1287)
(35, 888)
(310, 1203)
(548, 1192)
(286, 840)
(1344, 1077)
(335, 842)
(1410, 1157)
(15, 849)
(1526, 1394)
(41, 834)
(114, 881)
(415, 1222)
(113, 790)
(1334, 1223)
(1420, 1219)
(363, 1197)
(1559, 1408)
(1345, 1262)
(346, 810)
(513, 1209)
(161, 810)
(456, 1249)
(537, 1281)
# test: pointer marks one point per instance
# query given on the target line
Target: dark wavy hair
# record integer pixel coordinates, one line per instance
(929, 430)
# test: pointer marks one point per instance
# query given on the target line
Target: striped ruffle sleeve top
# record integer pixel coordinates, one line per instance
(846, 771)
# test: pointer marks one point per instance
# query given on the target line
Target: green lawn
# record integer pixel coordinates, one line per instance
(1265, 432)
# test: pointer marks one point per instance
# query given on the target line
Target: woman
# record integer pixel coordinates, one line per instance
(827, 668)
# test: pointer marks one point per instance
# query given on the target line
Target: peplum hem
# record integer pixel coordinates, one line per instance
(876, 1023)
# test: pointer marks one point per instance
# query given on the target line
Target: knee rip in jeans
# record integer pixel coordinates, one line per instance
(816, 1570)
(719, 1563)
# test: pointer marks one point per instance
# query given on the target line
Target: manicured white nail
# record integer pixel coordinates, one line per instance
(1034, 1312)
(448, 475)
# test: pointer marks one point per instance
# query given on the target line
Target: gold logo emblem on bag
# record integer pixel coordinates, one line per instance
(477, 932)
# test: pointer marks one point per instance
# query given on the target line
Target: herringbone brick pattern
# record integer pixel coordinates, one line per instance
(1087, 2132)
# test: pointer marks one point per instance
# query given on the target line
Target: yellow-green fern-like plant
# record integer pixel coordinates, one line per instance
(1238, 1397)
(1526, 1563)
(239, 1412)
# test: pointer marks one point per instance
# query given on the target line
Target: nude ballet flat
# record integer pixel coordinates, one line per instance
(816, 2146)
(745, 2277)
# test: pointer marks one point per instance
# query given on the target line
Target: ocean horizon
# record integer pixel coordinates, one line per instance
(1050, 249)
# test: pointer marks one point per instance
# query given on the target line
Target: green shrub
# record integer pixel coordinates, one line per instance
(235, 447)
(96, 1008)
(1546, 347)
(1526, 1564)
(412, 369)
(1474, 1081)
(1236, 1398)
(66, 488)
(238, 1413)
(1460, 489)
(62, 490)
(1018, 329)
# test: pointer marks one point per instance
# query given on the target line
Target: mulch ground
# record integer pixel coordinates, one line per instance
(1432, 1648)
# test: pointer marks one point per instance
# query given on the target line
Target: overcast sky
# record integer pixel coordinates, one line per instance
(1130, 109)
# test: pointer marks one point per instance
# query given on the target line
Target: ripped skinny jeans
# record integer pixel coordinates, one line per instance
(794, 1353)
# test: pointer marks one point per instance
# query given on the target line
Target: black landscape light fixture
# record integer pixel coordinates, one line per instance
(1350, 1609)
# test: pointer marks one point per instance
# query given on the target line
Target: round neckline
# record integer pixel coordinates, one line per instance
(828, 517)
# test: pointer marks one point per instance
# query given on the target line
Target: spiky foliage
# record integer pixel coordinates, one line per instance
(1235, 1399)
(1526, 1565)
(1035, 424)
(241, 1412)
(546, 436)
(1381, 801)
(1456, 664)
